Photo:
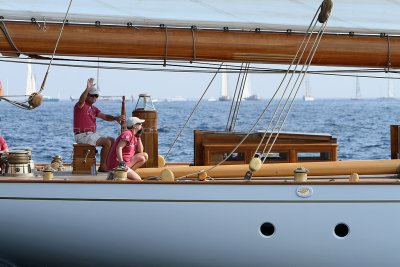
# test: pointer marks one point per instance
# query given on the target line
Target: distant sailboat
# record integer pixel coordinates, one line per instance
(390, 89)
(307, 94)
(30, 80)
(247, 95)
(52, 99)
(358, 90)
(224, 86)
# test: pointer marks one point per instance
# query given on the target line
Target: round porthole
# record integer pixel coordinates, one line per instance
(267, 229)
(341, 230)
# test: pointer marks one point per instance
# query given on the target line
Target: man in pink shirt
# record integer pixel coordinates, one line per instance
(127, 150)
(85, 114)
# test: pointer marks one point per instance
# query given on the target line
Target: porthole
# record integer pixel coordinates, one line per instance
(267, 229)
(341, 230)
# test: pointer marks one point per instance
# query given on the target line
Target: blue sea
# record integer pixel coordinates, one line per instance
(362, 128)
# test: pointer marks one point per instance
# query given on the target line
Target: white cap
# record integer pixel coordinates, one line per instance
(94, 91)
(132, 121)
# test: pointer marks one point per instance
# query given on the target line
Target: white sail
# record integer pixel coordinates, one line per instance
(358, 90)
(390, 90)
(30, 80)
(307, 91)
(224, 85)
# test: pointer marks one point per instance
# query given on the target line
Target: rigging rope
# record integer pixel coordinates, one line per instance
(4, 29)
(239, 98)
(291, 97)
(270, 101)
(197, 67)
(389, 63)
(234, 96)
(35, 99)
(166, 47)
(55, 48)
(191, 114)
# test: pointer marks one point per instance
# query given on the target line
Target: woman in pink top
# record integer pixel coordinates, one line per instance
(127, 149)
(3, 145)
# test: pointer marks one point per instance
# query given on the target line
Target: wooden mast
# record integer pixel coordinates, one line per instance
(200, 45)
(123, 114)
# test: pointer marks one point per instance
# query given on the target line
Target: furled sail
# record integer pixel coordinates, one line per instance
(240, 31)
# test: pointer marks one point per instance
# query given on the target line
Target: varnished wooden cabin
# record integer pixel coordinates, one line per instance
(211, 147)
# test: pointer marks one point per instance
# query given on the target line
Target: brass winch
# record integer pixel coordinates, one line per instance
(57, 163)
(18, 162)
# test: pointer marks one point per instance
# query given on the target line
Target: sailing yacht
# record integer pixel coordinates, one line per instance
(51, 99)
(247, 95)
(358, 90)
(224, 86)
(30, 80)
(346, 214)
(307, 94)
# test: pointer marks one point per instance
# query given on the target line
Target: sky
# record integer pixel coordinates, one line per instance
(71, 81)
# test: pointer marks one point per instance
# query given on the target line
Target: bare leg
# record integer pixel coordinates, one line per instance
(132, 175)
(138, 160)
(105, 143)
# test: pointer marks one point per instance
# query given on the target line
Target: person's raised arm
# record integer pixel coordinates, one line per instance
(90, 84)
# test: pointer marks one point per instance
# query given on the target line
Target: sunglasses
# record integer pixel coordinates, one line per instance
(96, 96)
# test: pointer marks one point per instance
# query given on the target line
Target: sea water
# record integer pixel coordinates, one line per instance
(362, 128)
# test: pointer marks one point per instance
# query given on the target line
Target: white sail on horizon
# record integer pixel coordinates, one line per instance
(390, 89)
(30, 80)
(224, 85)
(358, 90)
(307, 91)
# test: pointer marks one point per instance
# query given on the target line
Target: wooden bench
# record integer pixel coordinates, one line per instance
(214, 153)
(84, 156)
(212, 147)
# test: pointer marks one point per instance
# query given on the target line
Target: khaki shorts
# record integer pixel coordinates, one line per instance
(87, 138)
